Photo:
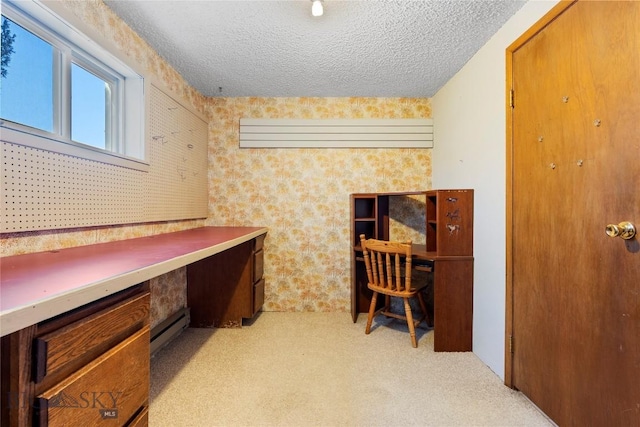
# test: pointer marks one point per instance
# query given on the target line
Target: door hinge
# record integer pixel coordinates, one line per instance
(511, 344)
(511, 95)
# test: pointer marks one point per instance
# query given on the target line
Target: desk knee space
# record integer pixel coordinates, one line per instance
(227, 287)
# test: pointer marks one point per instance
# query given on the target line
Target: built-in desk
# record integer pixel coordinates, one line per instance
(448, 252)
(76, 321)
(35, 287)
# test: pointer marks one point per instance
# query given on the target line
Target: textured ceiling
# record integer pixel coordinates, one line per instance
(274, 48)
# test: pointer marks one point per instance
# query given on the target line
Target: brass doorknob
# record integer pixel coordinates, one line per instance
(625, 230)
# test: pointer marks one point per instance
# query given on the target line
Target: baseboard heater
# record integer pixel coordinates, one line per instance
(168, 329)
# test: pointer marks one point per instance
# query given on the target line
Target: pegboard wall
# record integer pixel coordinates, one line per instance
(177, 180)
(42, 190)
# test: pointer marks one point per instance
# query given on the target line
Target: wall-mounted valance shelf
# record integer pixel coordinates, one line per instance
(336, 133)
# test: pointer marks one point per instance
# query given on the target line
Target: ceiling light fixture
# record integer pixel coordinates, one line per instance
(316, 8)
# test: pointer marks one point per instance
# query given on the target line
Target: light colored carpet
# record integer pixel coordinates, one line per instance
(320, 369)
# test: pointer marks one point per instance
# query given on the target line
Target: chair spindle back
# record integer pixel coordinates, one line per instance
(388, 263)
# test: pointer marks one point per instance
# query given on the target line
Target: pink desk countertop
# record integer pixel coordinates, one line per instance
(35, 287)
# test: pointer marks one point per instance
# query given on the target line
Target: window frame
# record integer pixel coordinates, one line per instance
(125, 145)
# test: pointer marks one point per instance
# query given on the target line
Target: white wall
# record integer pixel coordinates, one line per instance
(469, 152)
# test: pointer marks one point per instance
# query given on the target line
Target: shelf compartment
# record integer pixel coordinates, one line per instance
(368, 228)
(364, 207)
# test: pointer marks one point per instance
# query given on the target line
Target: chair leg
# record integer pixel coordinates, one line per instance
(372, 310)
(423, 307)
(412, 329)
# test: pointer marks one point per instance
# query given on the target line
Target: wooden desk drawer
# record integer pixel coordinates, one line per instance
(258, 242)
(107, 392)
(258, 265)
(70, 347)
(258, 296)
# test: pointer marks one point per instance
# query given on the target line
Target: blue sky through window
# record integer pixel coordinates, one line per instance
(88, 107)
(27, 91)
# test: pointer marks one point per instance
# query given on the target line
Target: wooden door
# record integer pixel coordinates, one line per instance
(574, 166)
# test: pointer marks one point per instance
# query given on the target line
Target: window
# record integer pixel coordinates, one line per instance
(89, 113)
(61, 92)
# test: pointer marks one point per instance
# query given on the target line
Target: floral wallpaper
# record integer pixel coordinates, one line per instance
(302, 195)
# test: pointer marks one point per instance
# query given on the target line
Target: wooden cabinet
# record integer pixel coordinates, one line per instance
(449, 219)
(448, 253)
(227, 287)
(86, 367)
(449, 216)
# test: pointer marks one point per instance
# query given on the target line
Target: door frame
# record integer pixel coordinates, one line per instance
(556, 11)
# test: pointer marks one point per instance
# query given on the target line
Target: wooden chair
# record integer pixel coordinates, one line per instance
(388, 266)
